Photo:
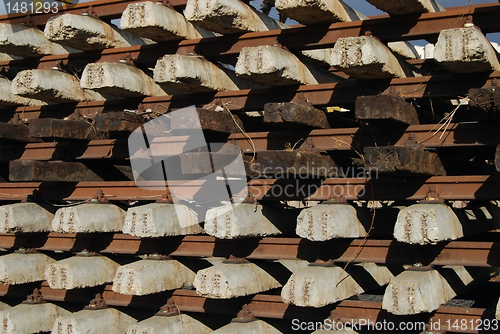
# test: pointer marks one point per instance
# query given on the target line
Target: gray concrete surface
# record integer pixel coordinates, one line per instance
(119, 79)
(427, 224)
(87, 33)
(465, 50)
(160, 220)
(317, 286)
(89, 217)
(497, 314)
(318, 11)
(7, 99)
(402, 7)
(151, 276)
(51, 86)
(413, 292)
(16, 268)
(254, 327)
(27, 42)
(228, 16)
(28, 319)
(365, 57)
(243, 220)
(80, 272)
(197, 74)
(274, 66)
(25, 217)
(109, 321)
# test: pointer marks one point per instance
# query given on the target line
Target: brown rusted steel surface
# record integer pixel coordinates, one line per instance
(386, 109)
(457, 135)
(450, 86)
(465, 253)
(481, 187)
(105, 9)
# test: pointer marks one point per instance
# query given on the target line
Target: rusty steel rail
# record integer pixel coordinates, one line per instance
(336, 94)
(483, 187)
(224, 48)
(341, 139)
(261, 305)
(465, 253)
(105, 9)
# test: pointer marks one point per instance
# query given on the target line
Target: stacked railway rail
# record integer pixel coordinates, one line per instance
(372, 197)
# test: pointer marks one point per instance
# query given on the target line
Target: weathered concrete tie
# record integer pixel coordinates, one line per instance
(196, 74)
(7, 57)
(318, 11)
(253, 327)
(109, 320)
(229, 280)
(27, 42)
(87, 33)
(329, 221)
(119, 79)
(17, 268)
(80, 272)
(51, 86)
(243, 220)
(159, 23)
(497, 314)
(427, 224)
(4, 306)
(151, 276)
(25, 217)
(274, 66)
(228, 16)
(161, 220)
(27, 318)
(317, 286)
(365, 57)
(422, 291)
(466, 50)
(7, 99)
(89, 217)
(176, 324)
(402, 7)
